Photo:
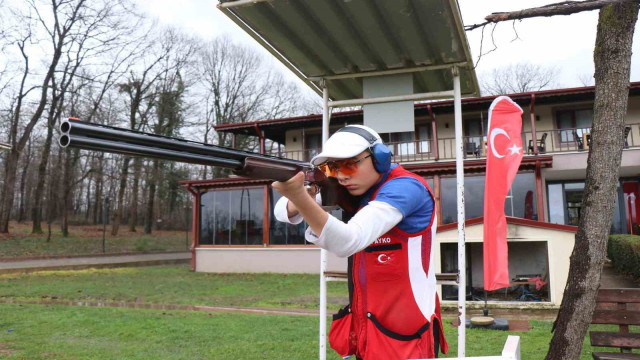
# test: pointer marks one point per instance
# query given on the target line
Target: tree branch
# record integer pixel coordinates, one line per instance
(562, 8)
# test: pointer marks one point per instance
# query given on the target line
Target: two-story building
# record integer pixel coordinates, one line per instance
(234, 230)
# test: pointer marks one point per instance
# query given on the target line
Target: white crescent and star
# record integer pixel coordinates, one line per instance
(515, 150)
(383, 258)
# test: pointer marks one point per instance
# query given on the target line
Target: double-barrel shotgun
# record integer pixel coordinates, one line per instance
(97, 137)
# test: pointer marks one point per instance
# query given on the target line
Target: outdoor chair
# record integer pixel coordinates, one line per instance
(541, 144)
(471, 148)
(578, 140)
(627, 130)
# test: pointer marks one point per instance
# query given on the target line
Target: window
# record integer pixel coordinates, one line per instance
(231, 217)
(565, 205)
(282, 233)
(313, 143)
(519, 203)
(424, 134)
(573, 124)
(474, 131)
(403, 143)
(406, 143)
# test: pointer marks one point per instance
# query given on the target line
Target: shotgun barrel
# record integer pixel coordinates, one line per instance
(88, 136)
(96, 137)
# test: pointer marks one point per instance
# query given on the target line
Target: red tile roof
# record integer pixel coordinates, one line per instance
(514, 221)
(273, 127)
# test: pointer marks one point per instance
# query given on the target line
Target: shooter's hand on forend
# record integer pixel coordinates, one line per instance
(293, 189)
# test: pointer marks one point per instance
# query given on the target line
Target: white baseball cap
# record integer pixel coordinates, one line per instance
(346, 144)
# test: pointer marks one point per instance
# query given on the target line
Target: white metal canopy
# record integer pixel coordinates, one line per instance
(332, 44)
(343, 41)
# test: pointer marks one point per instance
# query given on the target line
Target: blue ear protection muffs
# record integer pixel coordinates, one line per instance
(379, 152)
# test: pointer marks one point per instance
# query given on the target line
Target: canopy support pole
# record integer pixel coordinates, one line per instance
(462, 266)
(323, 253)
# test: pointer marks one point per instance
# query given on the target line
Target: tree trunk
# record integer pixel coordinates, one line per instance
(148, 223)
(36, 211)
(67, 190)
(23, 183)
(123, 186)
(612, 57)
(54, 196)
(7, 194)
(133, 218)
(88, 200)
(97, 207)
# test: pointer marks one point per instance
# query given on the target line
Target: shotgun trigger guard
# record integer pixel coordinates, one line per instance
(312, 189)
(311, 181)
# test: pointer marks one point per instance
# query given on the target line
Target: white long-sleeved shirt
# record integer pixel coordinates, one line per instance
(368, 224)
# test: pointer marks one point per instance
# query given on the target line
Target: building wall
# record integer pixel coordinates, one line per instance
(292, 145)
(525, 258)
(265, 260)
(559, 244)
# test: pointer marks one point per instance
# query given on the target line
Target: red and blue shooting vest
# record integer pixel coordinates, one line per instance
(394, 305)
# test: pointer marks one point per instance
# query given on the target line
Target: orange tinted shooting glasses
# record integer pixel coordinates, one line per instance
(347, 167)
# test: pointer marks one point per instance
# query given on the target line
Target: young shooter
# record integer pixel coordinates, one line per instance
(394, 311)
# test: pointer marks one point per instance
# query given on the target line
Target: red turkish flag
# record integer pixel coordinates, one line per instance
(504, 153)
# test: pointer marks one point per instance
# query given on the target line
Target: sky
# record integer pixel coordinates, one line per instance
(565, 42)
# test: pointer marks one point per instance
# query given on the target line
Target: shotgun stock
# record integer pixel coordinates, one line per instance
(96, 137)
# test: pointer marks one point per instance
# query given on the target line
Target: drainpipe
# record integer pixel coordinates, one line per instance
(194, 224)
(261, 136)
(434, 131)
(533, 125)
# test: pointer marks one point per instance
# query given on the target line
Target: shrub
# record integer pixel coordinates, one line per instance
(624, 252)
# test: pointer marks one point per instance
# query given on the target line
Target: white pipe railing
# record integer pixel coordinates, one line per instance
(511, 351)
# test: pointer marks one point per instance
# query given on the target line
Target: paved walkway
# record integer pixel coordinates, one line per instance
(94, 262)
(612, 280)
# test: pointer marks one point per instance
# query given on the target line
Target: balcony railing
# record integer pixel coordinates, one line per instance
(548, 141)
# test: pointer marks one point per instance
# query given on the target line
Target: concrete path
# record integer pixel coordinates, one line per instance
(94, 262)
(612, 280)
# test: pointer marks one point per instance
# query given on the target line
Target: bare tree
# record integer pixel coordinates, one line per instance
(612, 58)
(74, 27)
(239, 88)
(586, 79)
(140, 90)
(519, 78)
(169, 106)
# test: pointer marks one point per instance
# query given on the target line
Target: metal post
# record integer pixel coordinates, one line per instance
(105, 220)
(323, 252)
(186, 225)
(462, 265)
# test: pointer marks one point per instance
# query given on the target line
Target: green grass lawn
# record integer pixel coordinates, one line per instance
(86, 240)
(59, 332)
(68, 332)
(173, 285)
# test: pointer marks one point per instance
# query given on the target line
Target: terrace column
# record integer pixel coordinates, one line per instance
(261, 136)
(534, 137)
(434, 131)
